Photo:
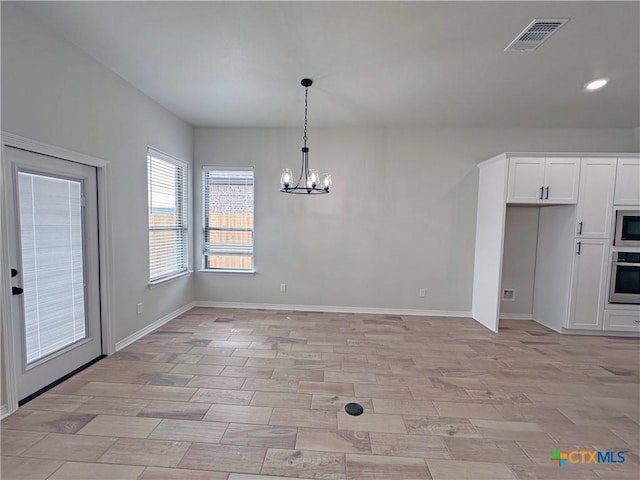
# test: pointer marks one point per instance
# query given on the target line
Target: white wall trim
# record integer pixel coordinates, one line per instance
(334, 309)
(516, 316)
(153, 326)
(4, 411)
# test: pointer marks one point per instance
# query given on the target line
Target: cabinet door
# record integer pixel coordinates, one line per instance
(588, 285)
(561, 180)
(525, 180)
(628, 182)
(595, 199)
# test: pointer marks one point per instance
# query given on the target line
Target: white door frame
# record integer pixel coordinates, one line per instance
(9, 366)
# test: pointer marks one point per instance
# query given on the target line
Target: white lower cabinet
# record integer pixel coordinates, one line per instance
(588, 284)
(622, 320)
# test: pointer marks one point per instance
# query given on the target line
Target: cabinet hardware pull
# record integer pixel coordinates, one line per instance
(637, 321)
(541, 192)
(547, 195)
(580, 230)
(579, 247)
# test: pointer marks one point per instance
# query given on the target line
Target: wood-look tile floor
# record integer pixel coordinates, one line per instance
(251, 394)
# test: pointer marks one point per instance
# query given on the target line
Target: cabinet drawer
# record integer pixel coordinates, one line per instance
(621, 320)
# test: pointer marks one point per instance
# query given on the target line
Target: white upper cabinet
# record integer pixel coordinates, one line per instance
(561, 180)
(595, 199)
(543, 180)
(628, 182)
(526, 176)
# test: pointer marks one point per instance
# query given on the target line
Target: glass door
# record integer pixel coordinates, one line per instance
(55, 258)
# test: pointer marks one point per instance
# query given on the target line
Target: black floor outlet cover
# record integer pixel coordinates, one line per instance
(354, 409)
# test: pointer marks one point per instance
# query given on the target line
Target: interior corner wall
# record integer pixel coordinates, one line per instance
(55, 93)
(519, 259)
(401, 215)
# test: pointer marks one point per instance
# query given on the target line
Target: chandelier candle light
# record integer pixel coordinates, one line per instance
(311, 183)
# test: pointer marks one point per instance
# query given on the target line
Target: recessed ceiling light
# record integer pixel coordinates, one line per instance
(596, 84)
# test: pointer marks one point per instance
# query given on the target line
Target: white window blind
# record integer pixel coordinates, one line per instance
(51, 226)
(228, 201)
(168, 228)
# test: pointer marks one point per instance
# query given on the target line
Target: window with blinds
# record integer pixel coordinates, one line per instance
(168, 227)
(228, 218)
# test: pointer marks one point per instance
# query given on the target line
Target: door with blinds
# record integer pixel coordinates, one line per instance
(53, 221)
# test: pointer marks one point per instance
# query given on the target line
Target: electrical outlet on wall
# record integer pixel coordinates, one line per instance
(509, 294)
(283, 288)
(422, 292)
(139, 308)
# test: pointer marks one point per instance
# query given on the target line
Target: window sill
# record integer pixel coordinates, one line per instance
(227, 272)
(161, 281)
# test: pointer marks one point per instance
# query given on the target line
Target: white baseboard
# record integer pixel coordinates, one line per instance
(3, 411)
(155, 325)
(516, 316)
(334, 309)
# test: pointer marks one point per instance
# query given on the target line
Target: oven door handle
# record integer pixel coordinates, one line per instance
(625, 264)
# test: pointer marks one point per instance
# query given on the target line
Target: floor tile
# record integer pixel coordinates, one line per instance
(120, 426)
(369, 467)
(226, 383)
(135, 451)
(404, 407)
(259, 435)
(56, 402)
(113, 406)
(327, 388)
(305, 464)
(372, 422)
(189, 431)
(224, 458)
(467, 410)
(227, 397)
(17, 468)
(238, 414)
(96, 471)
(159, 473)
(14, 442)
(343, 441)
(457, 470)
(441, 426)
(77, 448)
(180, 410)
(282, 400)
(401, 445)
(47, 421)
(294, 417)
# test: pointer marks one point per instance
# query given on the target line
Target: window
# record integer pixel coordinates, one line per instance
(168, 233)
(228, 218)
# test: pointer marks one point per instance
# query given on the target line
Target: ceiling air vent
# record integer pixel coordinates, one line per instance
(535, 34)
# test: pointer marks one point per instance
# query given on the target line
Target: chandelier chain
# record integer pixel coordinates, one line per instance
(306, 93)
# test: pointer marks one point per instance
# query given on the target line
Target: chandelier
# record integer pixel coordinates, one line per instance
(309, 181)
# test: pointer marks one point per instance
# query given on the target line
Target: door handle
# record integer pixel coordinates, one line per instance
(580, 228)
(16, 291)
(14, 272)
(579, 247)
(547, 195)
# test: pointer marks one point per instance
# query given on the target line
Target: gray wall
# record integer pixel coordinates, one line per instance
(636, 140)
(54, 93)
(401, 216)
(519, 258)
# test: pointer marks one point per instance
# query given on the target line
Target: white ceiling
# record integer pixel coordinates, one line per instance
(435, 64)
